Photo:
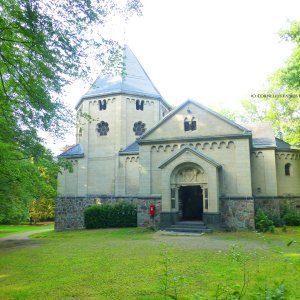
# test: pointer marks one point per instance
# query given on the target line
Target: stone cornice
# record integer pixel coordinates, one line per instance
(193, 139)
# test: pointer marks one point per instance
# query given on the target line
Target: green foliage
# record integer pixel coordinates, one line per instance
(44, 45)
(263, 223)
(171, 281)
(277, 292)
(23, 180)
(127, 264)
(279, 100)
(276, 218)
(289, 215)
(42, 210)
(291, 218)
(6, 230)
(121, 214)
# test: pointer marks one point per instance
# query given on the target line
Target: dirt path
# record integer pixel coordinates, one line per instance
(212, 241)
(20, 240)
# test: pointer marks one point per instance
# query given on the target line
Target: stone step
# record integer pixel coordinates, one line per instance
(188, 226)
(191, 230)
(191, 222)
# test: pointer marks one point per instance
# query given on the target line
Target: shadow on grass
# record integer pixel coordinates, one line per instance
(9, 245)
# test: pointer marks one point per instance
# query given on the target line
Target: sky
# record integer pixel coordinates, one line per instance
(216, 52)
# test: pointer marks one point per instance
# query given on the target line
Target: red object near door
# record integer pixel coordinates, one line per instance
(152, 210)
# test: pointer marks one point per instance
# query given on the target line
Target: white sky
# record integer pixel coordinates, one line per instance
(215, 52)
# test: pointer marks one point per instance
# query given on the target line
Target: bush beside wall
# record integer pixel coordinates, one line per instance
(121, 214)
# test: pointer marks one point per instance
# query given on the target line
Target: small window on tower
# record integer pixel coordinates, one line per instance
(139, 128)
(287, 169)
(103, 128)
(102, 104)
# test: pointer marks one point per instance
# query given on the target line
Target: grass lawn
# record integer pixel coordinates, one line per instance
(133, 263)
(6, 230)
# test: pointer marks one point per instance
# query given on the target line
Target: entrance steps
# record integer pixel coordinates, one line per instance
(190, 227)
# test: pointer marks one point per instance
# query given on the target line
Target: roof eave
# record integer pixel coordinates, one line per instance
(129, 153)
(116, 93)
(71, 156)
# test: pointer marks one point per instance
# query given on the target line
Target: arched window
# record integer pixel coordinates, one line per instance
(103, 128)
(142, 105)
(186, 124)
(139, 128)
(102, 104)
(193, 124)
(287, 169)
(139, 105)
(190, 125)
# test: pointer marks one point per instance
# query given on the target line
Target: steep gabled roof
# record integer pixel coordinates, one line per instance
(262, 134)
(74, 152)
(135, 81)
(192, 150)
(282, 145)
(133, 148)
(189, 101)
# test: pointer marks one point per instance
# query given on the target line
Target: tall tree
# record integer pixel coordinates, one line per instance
(279, 100)
(44, 45)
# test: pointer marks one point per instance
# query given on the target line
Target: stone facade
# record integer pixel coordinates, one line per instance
(237, 214)
(275, 205)
(192, 162)
(69, 211)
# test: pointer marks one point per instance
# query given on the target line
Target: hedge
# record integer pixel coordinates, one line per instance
(121, 214)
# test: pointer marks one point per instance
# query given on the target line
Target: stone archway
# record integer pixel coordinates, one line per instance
(189, 194)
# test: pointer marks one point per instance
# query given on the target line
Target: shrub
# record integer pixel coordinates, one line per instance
(121, 214)
(277, 220)
(263, 223)
(291, 218)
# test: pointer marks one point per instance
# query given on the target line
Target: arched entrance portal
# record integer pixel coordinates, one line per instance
(189, 191)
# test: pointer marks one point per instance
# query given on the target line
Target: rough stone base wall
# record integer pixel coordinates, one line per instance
(275, 205)
(237, 214)
(143, 218)
(291, 203)
(69, 211)
(269, 205)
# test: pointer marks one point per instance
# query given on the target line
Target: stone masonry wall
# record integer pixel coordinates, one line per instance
(270, 205)
(69, 211)
(275, 205)
(293, 203)
(237, 214)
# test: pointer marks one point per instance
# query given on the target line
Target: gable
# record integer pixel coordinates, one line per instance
(208, 124)
(196, 153)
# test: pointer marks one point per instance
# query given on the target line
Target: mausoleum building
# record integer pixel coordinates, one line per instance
(190, 161)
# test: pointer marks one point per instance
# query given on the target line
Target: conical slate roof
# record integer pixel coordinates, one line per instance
(135, 82)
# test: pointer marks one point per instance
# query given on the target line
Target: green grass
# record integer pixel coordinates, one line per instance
(6, 230)
(133, 263)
